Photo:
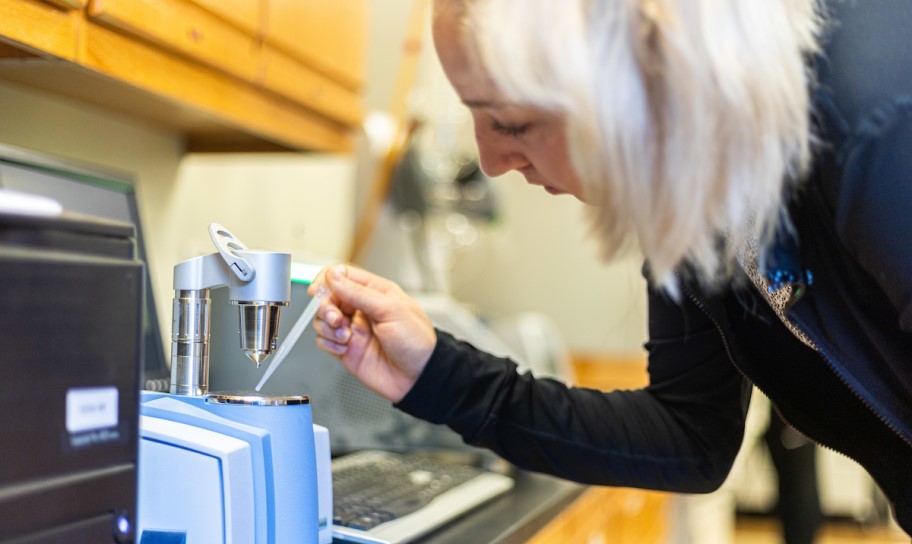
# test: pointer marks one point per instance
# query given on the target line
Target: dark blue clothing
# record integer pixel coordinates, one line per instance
(851, 254)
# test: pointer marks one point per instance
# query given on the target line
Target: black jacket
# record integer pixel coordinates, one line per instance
(851, 256)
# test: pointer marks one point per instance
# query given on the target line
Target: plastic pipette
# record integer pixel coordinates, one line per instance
(293, 335)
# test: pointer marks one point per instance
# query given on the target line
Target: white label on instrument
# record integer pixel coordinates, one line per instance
(90, 408)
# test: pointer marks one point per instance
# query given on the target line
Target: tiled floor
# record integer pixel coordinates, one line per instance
(760, 531)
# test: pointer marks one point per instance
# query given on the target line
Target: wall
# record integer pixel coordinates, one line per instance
(287, 202)
(539, 258)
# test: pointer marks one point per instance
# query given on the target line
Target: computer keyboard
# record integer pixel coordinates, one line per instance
(390, 498)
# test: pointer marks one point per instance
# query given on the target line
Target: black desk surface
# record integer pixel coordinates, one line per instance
(513, 517)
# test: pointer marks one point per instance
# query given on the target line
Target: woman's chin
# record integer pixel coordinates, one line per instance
(554, 190)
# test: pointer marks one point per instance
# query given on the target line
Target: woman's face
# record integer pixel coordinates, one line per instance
(529, 140)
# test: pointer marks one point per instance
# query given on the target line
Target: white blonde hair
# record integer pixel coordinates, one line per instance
(686, 119)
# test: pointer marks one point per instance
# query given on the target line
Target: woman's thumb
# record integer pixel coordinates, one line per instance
(353, 293)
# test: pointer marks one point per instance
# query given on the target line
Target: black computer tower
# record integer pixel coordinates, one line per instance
(71, 291)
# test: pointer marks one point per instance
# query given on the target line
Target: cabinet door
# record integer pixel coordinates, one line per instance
(247, 15)
(68, 4)
(39, 27)
(185, 28)
(326, 35)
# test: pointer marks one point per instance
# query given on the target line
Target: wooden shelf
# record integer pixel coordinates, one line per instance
(215, 90)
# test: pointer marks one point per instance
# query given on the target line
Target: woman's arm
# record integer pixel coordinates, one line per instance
(681, 433)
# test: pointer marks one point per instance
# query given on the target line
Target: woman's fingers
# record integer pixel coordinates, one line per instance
(335, 306)
(330, 310)
(331, 347)
(379, 333)
(363, 277)
(360, 289)
(340, 334)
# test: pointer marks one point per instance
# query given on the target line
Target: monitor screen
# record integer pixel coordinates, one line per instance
(93, 191)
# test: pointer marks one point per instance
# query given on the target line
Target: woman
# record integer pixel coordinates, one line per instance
(764, 164)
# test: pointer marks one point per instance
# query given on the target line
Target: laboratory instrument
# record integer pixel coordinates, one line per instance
(258, 284)
(231, 466)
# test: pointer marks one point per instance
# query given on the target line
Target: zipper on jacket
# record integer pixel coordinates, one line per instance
(799, 286)
(832, 366)
(734, 363)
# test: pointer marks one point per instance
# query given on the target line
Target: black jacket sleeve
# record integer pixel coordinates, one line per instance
(681, 433)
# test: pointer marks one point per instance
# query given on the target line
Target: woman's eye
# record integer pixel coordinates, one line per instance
(508, 130)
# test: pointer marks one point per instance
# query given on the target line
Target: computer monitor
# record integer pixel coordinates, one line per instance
(94, 191)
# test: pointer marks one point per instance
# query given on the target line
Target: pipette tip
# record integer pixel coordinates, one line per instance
(293, 335)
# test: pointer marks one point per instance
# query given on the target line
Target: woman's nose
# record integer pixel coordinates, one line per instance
(497, 156)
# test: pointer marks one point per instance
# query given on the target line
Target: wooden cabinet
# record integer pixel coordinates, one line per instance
(248, 15)
(184, 28)
(610, 515)
(308, 44)
(68, 4)
(32, 26)
(228, 74)
(318, 32)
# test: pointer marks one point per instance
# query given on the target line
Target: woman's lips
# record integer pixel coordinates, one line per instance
(533, 179)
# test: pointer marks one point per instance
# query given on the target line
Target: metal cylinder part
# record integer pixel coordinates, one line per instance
(190, 342)
(258, 328)
(241, 399)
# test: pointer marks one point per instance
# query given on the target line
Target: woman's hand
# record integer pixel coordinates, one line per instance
(379, 333)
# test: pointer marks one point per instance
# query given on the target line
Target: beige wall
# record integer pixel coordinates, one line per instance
(539, 258)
